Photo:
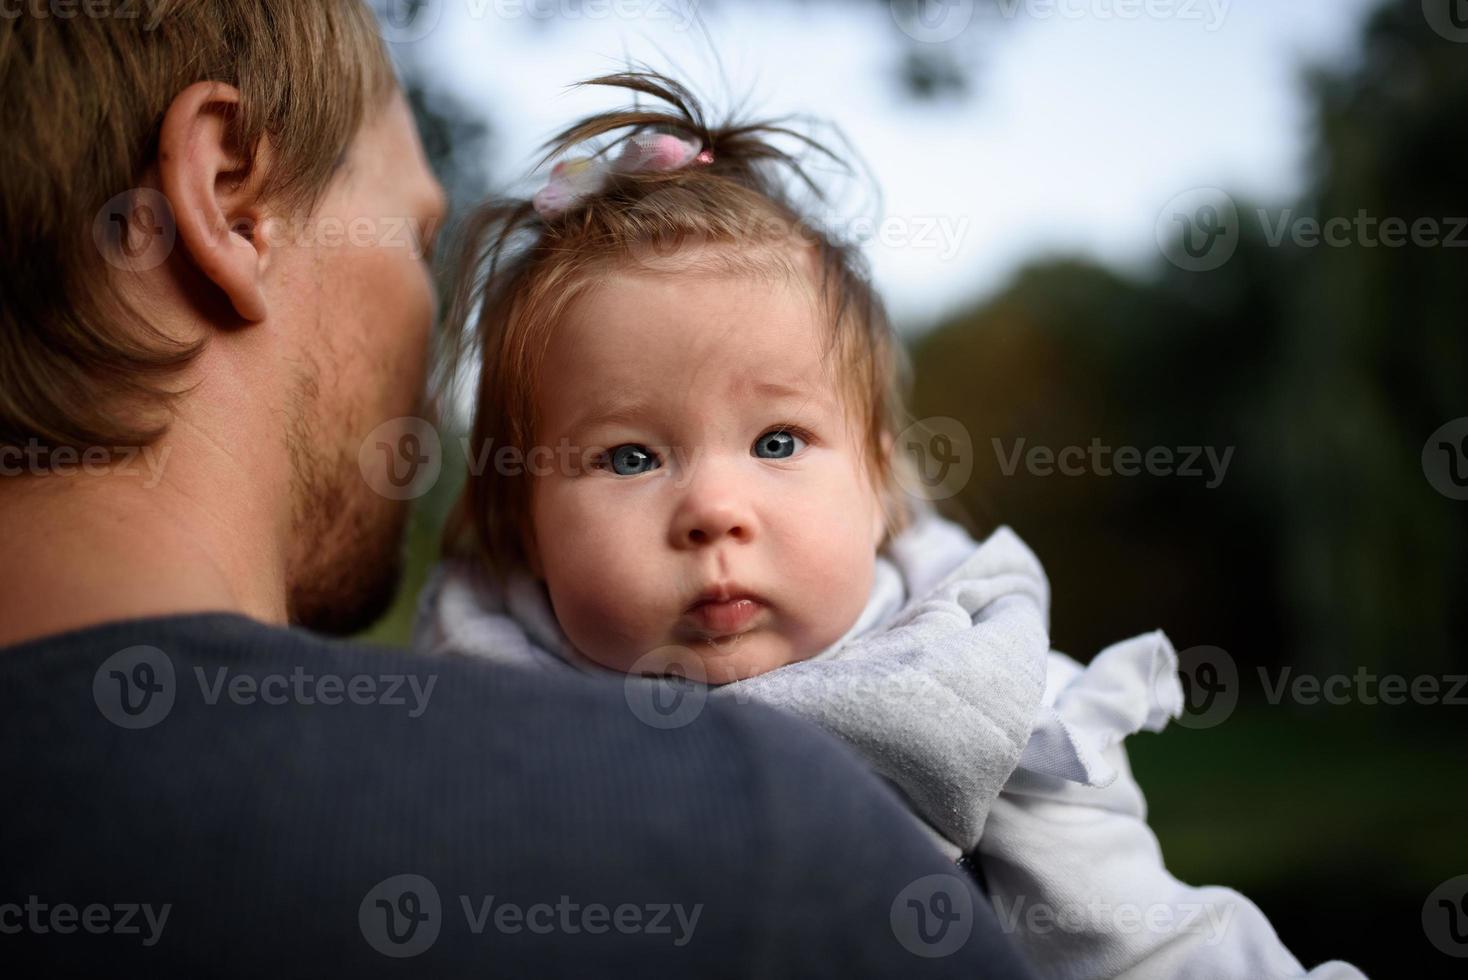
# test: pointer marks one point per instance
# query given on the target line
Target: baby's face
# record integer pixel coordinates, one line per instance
(731, 470)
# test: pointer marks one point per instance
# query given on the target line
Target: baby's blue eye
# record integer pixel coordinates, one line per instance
(630, 460)
(777, 444)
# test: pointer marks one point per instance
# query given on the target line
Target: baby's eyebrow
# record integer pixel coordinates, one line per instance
(778, 390)
(814, 398)
(611, 414)
(631, 410)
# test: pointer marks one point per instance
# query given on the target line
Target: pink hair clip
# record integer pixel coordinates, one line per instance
(571, 181)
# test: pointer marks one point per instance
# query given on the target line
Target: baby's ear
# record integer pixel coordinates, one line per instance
(532, 553)
(879, 496)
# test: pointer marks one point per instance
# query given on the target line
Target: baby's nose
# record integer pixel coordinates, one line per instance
(711, 521)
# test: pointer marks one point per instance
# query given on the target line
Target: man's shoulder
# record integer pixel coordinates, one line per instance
(147, 712)
(283, 794)
(150, 681)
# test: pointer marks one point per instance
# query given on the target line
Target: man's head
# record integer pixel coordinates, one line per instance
(212, 228)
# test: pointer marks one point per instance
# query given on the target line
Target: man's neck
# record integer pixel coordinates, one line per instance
(137, 541)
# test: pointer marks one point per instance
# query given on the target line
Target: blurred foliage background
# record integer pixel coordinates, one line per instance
(1324, 550)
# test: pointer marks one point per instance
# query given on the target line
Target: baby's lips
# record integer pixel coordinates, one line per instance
(726, 618)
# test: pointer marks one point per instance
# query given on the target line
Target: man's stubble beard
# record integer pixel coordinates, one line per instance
(347, 552)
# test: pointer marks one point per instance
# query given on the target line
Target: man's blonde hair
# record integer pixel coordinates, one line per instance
(85, 97)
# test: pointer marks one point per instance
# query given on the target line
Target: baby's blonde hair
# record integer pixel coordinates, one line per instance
(518, 272)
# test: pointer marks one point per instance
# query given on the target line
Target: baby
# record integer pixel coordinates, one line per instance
(689, 404)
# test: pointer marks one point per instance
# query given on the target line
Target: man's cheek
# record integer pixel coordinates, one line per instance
(423, 303)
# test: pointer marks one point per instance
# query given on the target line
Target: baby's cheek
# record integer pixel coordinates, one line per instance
(830, 573)
(600, 618)
(596, 570)
(857, 571)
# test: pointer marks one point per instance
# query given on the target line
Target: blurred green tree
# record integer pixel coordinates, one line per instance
(1325, 368)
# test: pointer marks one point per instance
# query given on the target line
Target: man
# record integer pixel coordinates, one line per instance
(211, 294)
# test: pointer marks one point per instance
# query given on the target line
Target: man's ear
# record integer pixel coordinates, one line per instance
(214, 197)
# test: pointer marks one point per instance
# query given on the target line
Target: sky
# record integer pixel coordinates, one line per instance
(1086, 117)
